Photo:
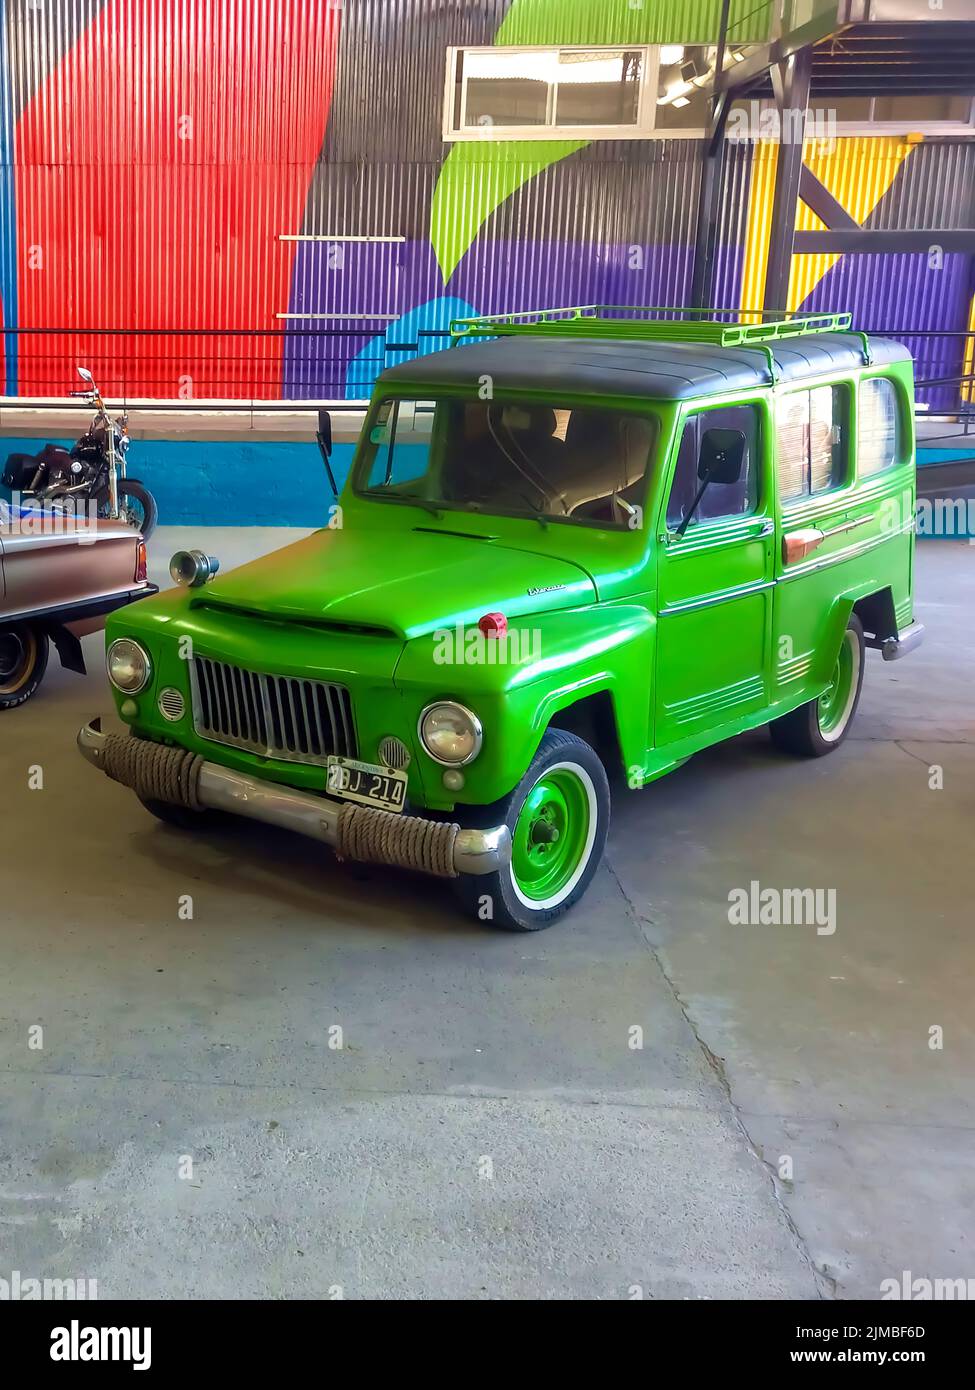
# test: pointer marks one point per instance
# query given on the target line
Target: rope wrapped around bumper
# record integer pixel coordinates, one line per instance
(403, 842)
(157, 772)
(153, 771)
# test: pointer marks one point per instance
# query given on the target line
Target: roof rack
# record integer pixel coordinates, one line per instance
(660, 323)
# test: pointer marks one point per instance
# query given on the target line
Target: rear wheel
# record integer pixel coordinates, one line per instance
(558, 816)
(23, 661)
(821, 725)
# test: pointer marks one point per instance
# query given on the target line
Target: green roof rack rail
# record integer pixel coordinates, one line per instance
(660, 323)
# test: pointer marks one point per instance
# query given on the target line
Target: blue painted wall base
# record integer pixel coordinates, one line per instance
(227, 483)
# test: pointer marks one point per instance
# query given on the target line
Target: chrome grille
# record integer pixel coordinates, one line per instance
(285, 717)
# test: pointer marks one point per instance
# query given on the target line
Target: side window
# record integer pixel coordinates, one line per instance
(878, 426)
(401, 437)
(812, 441)
(718, 499)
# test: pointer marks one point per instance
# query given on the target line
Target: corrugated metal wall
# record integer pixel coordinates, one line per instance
(158, 149)
(156, 157)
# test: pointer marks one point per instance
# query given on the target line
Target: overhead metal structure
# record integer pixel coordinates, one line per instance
(837, 49)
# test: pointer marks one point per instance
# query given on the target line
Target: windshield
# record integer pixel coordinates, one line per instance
(574, 463)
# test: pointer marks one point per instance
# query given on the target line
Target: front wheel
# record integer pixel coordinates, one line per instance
(137, 507)
(558, 816)
(821, 725)
(23, 661)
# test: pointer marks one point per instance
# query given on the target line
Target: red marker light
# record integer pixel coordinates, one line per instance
(493, 624)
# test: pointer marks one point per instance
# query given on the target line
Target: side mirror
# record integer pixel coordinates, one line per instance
(324, 437)
(722, 456)
(86, 375)
(325, 432)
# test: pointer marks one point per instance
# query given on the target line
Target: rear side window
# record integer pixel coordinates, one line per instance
(719, 499)
(878, 426)
(812, 441)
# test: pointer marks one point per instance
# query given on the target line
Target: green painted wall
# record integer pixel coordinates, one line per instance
(476, 179)
(628, 21)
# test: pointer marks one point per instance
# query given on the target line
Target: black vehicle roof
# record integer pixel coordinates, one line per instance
(648, 370)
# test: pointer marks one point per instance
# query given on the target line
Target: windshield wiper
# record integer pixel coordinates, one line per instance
(427, 506)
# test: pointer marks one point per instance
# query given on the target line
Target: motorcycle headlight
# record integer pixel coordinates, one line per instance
(129, 667)
(450, 733)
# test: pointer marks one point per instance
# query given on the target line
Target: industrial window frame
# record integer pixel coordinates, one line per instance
(643, 129)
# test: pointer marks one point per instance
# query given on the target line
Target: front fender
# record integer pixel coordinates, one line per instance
(551, 662)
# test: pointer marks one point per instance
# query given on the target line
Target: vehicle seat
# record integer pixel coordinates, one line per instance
(606, 453)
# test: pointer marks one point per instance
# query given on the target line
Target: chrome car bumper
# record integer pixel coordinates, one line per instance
(411, 842)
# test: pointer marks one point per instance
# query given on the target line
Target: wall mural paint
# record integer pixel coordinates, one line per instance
(475, 181)
(156, 143)
(96, 179)
(476, 178)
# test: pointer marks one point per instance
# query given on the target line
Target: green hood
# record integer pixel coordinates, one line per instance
(406, 582)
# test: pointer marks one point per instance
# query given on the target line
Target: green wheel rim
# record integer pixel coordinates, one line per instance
(551, 835)
(833, 705)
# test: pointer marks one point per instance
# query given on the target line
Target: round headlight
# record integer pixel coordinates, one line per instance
(450, 733)
(192, 568)
(129, 667)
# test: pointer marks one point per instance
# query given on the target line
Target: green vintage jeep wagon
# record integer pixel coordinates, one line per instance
(576, 547)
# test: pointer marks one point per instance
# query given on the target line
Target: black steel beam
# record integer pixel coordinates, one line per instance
(792, 98)
(817, 196)
(712, 174)
(740, 76)
(879, 241)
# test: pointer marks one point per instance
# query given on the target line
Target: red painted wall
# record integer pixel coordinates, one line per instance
(156, 166)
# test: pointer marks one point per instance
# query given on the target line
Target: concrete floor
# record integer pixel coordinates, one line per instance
(486, 1131)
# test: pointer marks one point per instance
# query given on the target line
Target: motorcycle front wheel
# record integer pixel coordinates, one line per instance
(137, 507)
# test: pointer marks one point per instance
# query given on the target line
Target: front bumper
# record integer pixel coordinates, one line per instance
(156, 771)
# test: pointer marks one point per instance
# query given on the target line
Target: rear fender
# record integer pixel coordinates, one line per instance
(875, 611)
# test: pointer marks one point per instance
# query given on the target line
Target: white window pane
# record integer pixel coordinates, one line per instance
(792, 416)
(509, 89)
(598, 88)
(684, 81)
(877, 441)
(826, 443)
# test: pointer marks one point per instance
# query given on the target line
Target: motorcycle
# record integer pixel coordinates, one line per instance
(93, 471)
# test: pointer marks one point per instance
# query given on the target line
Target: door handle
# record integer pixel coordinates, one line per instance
(763, 528)
(849, 525)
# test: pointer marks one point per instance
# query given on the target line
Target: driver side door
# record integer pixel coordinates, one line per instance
(714, 582)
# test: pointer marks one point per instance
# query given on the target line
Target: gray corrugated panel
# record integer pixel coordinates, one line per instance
(934, 188)
(389, 91)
